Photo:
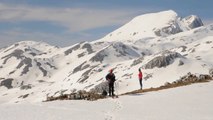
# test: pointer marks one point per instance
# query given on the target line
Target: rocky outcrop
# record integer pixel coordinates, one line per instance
(183, 81)
(168, 30)
(192, 22)
(86, 46)
(27, 62)
(26, 87)
(79, 95)
(7, 83)
(137, 61)
(117, 50)
(41, 68)
(86, 75)
(16, 53)
(99, 57)
(164, 60)
(81, 67)
(187, 23)
(211, 72)
(70, 50)
(192, 78)
(100, 87)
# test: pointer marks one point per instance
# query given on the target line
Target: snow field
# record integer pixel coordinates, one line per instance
(193, 102)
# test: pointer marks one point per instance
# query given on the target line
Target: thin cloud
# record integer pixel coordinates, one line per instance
(75, 19)
(63, 39)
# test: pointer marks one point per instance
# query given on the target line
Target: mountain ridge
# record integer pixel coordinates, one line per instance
(160, 24)
(36, 69)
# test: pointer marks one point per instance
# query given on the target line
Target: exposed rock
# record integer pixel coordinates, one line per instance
(69, 51)
(192, 22)
(191, 78)
(24, 96)
(41, 68)
(189, 23)
(88, 47)
(85, 76)
(137, 61)
(165, 59)
(183, 48)
(81, 54)
(165, 31)
(12, 72)
(146, 77)
(25, 87)
(79, 95)
(208, 42)
(180, 63)
(16, 53)
(211, 72)
(120, 50)
(7, 83)
(26, 61)
(127, 75)
(15, 45)
(88, 86)
(99, 57)
(123, 50)
(51, 65)
(100, 87)
(41, 81)
(32, 53)
(80, 67)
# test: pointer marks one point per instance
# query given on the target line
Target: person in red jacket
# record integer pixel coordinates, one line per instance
(140, 77)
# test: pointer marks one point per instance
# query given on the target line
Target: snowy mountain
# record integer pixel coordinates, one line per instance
(153, 25)
(163, 44)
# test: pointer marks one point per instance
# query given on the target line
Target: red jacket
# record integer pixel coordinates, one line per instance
(140, 75)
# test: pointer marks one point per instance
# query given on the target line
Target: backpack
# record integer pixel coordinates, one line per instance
(104, 93)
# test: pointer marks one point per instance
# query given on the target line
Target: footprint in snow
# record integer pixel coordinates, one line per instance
(118, 105)
(108, 116)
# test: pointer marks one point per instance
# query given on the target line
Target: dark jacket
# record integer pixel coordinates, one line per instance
(110, 77)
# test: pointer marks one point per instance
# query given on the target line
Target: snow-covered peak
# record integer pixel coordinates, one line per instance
(160, 24)
(33, 44)
(31, 47)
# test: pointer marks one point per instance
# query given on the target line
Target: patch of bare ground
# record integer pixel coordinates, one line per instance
(91, 96)
(183, 81)
(80, 95)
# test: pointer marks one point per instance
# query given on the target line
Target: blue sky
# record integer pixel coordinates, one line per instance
(65, 22)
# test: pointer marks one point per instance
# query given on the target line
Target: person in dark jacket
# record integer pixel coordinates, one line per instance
(140, 77)
(110, 77)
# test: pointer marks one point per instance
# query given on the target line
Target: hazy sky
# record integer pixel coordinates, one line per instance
(65, 22)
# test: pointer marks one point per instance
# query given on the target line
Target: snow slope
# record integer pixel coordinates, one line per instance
(167, 50)
(152, 25)
(192, 102)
